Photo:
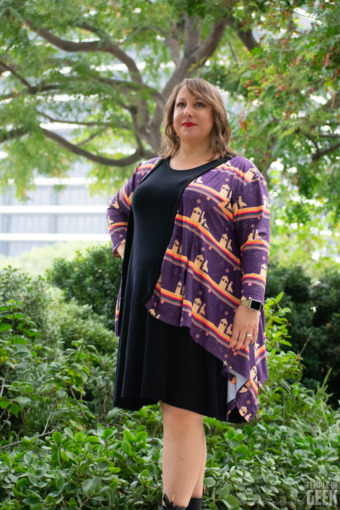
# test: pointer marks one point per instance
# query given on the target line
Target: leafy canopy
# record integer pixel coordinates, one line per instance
(89, 80)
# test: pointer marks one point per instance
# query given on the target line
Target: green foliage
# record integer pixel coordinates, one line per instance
(96, 68)
(32, 293)
(39, 382)
(36, 261)
(313, 322)
(76, 322)
(290, 84)
(65, 456)
(92, 278)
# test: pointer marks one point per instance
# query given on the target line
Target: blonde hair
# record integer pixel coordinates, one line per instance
(221, 132)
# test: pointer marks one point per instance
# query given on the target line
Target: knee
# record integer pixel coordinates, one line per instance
(175, 418)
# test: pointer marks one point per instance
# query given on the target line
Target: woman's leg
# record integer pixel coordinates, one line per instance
(198, 489)
(183, 454)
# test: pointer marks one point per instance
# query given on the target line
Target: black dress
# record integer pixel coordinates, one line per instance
(158, 361)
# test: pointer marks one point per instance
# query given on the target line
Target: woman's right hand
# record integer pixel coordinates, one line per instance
(121, 249)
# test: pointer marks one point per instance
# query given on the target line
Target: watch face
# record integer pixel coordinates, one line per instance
(255, 305)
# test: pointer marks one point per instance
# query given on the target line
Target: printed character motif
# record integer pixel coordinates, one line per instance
(114, 204)
(199, 260)
(241, 203)
(224, 282)
(263, 270)
(179, 288)
(250, 174)
(202, 309)
(197, 304)
(177, 247)
(253, 374)
(243, 410)
(225, 191)
(254, 235)
(265, 201)
(224, 240)
(245, 387)
(203, 221)
(196, 213)
(153, 313)
(223, 325)
(205, 266)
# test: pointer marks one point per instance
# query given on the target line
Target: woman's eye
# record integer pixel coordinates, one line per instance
(180, 104)
(200, 105)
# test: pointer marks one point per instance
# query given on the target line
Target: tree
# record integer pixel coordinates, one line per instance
(103, 69)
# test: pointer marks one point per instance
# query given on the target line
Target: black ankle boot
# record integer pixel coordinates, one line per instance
(169, 504)
(195, 504)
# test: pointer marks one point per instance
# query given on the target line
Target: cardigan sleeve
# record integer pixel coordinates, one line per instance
(118, 211)
(251, 219)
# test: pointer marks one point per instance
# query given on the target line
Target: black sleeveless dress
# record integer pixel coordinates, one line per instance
(158, 361)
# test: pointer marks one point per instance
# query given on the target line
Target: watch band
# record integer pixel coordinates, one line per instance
(253, 304)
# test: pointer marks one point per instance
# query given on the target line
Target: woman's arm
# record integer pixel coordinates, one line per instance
(252, 225)
(117, 215)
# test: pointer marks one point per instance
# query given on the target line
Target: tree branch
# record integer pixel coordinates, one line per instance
(128, 85)
(314, 142)
(334, 102)
(78, 123)
(319, 154)
(142, 106)
(247, 38)
(210, 43)
(36, 89)
(195, 56)
(91, 137)
(16, 74)
(133, 158)
(332, 136)
(90, 46)
(10, 135)
(173, 46)
(192, 35)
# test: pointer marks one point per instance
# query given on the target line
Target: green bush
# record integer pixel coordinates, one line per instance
(58, 451)
(61, 325)
(92, 280)
(313, 322)
(34, 295)
(78, 322)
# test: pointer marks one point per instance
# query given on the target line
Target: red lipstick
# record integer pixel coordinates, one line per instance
(188, 124)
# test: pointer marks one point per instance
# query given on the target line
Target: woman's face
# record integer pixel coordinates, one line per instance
(193, 118)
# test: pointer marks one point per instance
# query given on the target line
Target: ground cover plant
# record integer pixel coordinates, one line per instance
(63, 446)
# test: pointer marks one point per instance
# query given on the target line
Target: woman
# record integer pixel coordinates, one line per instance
(194, 226)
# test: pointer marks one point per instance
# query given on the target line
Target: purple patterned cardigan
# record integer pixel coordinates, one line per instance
(217, 255)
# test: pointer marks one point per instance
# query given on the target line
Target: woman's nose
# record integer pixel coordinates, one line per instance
(188, 110)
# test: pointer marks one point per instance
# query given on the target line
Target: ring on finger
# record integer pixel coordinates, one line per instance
(249, 334)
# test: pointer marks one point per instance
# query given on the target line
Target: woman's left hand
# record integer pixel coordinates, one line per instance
(245, 328)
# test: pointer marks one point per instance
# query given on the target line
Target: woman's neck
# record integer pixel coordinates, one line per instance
(193, 157)
(195, 152)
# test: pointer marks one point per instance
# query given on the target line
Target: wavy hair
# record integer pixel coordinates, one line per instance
(221, 132)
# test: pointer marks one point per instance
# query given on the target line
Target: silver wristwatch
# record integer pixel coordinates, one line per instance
(253, 304)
